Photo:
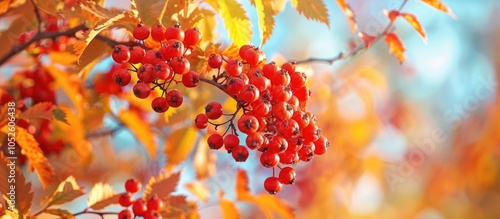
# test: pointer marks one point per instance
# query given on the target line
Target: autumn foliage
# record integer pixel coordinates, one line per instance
(143, 109)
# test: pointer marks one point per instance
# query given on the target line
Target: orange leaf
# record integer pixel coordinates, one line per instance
(38, 111)
(67, 191)
(349, 14)
(272, 204)
(229, 210)
(176, 154)
(392, 15)
(396, 46)
(367, 39)
(98, 193)
(315, 10)
(37, 160)
(203, 161)
(140, 129)
(440, 6)
(415, 23)
(162, 185)
(24, 196)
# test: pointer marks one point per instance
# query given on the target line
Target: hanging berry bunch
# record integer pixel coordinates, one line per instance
(271, 99)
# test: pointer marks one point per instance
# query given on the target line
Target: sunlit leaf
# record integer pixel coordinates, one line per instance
(140, 129)
(236, 21)
(63, 58)
(229, 209)
(275, 205)
(149, 11)
(37, 160)
(349, 13)
(99, 192)
(178, 146)
(203, 161)
(440, 6)
(64, 214)
(199, 190)
(396, 46)
(207, 25)
(315, 10)
(266, 21)
(415, 23)
(49, 7)
(67, 191)
(242, 189)
(24, 195)
(162, 185)
(38, 111)
(70, 84)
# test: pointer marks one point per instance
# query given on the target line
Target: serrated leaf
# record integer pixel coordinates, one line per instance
(99, 192)
(67, 191)
(232, 51)
(37, 160)
(70, 84)
(207, 25)
(175, 154)
(24, 196)
(173, 8)
(64, 214)
(149, 11)
(315, 10)
(396, 46)
(140, 130)
(162, 185)
(59, 115)
(106, 202)
(415, 23)
(236, 21)
(437, 4)
(229, 209)
(89, 55)
(349, 13)
(38, 111)
(266, 21)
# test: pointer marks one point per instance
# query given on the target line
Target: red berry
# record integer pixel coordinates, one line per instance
(201, 121)
(126, 199)
(269, 69)
(190, 79)
(282, 111)
(252, 56)
(154, 203)
(288, 128)
(249, 93)
(248, 124)
(174, 32)
(234, 85)
(306, 152)
(172, 49)
(254, 140)
(269, 159)
(141, 90)
(301, 118)
(281, 77)
(289, 67)
(132, 185)
(281, 93)
(244, 49)
(311, 132)
(278, 144)
(121, 54)
(163, 71)
(302, 93)
(215, 61)
(297, 79)
(321, 145)
(146, 73)
(141, 32)
(180, 65)
(230, 142)
(159, 104)
(240, 153)
(152, 57)
(192, 36)
(152, 214)
(125, 214)
(234, 67)
(139, 207)
(122, 77)
(272, 185)
(289, 157)
(137, 53)
(261, 82)
(261, 107)
(158, 32)
(215, 141)
(174, 98)
(287, 175)
(213, 110)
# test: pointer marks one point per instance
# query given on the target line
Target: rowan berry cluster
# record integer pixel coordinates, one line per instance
(158, 68)
(147, 209)
(274, 118)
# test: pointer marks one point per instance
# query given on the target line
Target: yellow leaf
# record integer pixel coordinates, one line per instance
(396, 46)
(150, 11)
(162, 185)
(415, 23)
(203, 161)
(64, 214)
(207, 25)
(63, 58)
(349, 13)
(266, 22)
(440, 6)
(67, 191)
(232, 51)
(141, 131)
(37, 160)
(99, 192)
(235, 21)
(229, 210)
(315, 10)
(24, 196)
(272, 204)
(89, 55)
(169, 113)
(199, 189)
(178, 146)
(70, 84)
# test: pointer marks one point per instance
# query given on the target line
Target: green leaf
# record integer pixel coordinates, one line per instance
(60, 115)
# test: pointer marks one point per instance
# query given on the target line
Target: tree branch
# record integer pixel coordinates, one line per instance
(362, 47)
(38, 17)
(40, 36)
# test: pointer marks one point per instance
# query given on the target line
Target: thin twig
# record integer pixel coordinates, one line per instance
(38, 17)
(362, 47)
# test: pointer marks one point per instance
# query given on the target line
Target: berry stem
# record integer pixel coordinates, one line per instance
(362, 47)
